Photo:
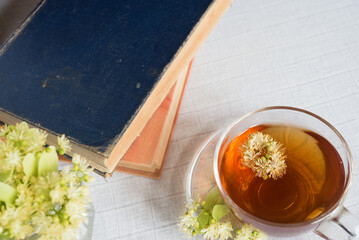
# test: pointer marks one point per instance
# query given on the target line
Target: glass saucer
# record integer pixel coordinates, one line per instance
(200, 176)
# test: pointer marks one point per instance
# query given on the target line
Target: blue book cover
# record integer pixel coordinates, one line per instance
(96, 70)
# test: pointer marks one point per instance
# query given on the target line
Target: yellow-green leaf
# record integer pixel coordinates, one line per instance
(203, 219)
(30, 164)
(220, 211)
(7, 193)
(5, 175)
(48, 162)
(213, 198)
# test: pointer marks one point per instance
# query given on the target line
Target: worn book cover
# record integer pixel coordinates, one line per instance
(96, 70)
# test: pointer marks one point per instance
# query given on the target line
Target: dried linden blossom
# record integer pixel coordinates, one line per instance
(265, 156)
(63, 145)
(36, 198)
(248, 232)
(211, 219)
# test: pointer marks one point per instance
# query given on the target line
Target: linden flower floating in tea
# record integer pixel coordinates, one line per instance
(212, 219)
(264, 155)
(35, 198)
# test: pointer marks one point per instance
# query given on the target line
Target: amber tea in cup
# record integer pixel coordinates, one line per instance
(308, 196)
(313, 182)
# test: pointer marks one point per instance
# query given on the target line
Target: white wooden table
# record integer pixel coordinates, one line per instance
(279, 52)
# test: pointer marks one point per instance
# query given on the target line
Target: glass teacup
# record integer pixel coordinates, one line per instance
(336, 216)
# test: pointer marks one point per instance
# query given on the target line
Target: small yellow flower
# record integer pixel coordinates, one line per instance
(193, 203)
(189, 220)
(225, 231)
(58, 195)
(13, 158)
(264, 155)
(248, 232)
(63, 145)
(211, 232)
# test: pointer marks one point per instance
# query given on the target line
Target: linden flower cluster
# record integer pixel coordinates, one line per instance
(211, 218)
(248, 232)
(265, 156)
(35, 198)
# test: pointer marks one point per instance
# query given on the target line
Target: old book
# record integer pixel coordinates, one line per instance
(97, 70)
(148, 152)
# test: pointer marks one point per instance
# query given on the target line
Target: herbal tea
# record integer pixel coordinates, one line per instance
(312, 182)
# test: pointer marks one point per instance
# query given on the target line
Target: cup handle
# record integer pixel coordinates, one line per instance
(343, 225)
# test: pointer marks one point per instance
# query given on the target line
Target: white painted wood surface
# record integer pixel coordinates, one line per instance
(280, 52)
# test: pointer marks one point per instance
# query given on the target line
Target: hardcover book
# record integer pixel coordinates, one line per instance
(148, 152)
(97, 70)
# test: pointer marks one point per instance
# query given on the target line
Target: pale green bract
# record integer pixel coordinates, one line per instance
(36, 198)
(212, 219)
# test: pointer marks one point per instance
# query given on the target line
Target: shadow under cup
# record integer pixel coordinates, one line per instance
(291, 117)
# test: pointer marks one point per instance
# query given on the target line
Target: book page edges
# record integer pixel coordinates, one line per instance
(161, 153)
(155, 173)
(141, 153)
(182, 59)
(152, 143)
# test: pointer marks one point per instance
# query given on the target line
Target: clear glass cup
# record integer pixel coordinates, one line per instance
(335, 223)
